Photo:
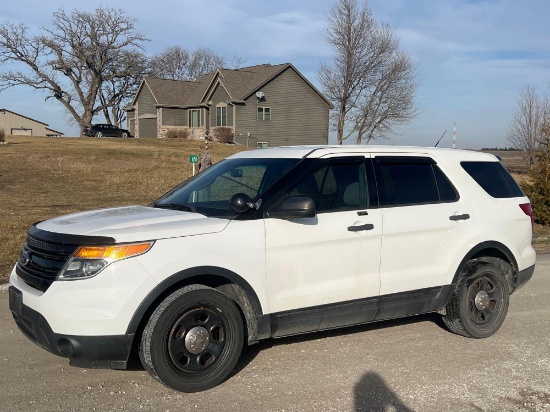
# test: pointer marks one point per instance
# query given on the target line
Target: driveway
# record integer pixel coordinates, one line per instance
(403, 365)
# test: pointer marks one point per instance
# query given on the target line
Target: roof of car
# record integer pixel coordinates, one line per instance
(322, 151)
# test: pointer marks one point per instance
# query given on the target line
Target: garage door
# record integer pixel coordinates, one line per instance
(21, 132)
(147, 127)
(132, 126)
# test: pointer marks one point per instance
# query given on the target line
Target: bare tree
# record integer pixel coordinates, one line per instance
(237, 62)
(121, 88)
(371, 82)
(525, 128)
(176, 63)
(76, 61)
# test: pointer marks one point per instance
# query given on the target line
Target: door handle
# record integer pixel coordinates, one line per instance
(359, 228)
(464, 216)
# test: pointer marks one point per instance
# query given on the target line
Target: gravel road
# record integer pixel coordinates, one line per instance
(411, 364)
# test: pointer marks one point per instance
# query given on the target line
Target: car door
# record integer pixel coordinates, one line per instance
(323, 271)
(111, 131)
(427, 225)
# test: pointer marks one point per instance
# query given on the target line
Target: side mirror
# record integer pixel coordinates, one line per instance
(240, 202)
(294, 208)
(236, 172)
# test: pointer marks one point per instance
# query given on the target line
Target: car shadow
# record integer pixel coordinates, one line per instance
(372, 394)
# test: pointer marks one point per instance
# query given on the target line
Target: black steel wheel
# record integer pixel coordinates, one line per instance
(193, 339)
(479, 303)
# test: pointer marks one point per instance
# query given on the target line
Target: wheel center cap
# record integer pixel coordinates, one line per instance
(196, 340)
(482, 300)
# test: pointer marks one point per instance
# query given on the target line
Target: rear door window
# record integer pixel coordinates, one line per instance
(412, 180)
(493, 178)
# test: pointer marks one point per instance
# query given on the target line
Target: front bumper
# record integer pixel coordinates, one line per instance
(110, 352)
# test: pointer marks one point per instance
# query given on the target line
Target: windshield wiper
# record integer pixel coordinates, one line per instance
(175, 206)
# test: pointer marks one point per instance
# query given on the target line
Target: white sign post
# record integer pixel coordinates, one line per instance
(194, 159)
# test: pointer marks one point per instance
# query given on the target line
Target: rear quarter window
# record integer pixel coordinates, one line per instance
(493, 178)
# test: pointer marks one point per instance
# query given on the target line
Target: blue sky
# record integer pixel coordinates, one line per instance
(473, 56)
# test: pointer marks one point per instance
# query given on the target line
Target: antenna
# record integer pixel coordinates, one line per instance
(454, 135)
(440, 138)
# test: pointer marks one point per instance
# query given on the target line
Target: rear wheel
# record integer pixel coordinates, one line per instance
(99, 134)
(479, 303)
(193, 339)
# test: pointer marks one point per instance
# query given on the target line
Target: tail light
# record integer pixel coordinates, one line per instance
(528, 210)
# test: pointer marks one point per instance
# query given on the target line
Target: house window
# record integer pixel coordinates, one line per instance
(262, 145)
(264, 113)
(194, 118)
(221, 115)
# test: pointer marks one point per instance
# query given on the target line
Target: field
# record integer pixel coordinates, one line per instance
(45, 177)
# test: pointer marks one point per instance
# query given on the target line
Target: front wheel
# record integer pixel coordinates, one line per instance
(479, 303)
(193, 339)
(124, 135)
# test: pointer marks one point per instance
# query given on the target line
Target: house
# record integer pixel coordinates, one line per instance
(265, 105)
(17, 124)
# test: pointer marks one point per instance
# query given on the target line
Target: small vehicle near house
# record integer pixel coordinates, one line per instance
(271, 243)
(105, 130)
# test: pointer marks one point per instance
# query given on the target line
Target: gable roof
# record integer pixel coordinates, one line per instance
(3, 110)
(25, 117)
(238, 83)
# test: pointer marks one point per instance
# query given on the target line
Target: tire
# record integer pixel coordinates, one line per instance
(124, 135)
(479, 303)
(193, 339)
(99, 134)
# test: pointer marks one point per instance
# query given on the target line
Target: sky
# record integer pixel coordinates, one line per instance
(473, 57)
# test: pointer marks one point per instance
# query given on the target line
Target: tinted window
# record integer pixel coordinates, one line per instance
(447, 192)
(406, 181)
(493, 178)
(337, 187)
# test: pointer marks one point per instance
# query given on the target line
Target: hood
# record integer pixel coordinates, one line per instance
(134, 223)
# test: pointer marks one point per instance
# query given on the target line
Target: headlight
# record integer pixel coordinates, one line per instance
(88, 261)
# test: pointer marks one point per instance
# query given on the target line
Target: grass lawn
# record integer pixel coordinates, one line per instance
(43, 177)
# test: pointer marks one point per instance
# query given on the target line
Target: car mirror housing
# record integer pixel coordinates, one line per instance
(240, 203)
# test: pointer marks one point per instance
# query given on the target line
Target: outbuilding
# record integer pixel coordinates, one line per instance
(19, 125)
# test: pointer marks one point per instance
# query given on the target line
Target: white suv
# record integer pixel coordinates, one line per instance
(275, 242)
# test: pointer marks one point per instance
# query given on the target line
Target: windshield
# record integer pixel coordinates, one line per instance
(209, 192)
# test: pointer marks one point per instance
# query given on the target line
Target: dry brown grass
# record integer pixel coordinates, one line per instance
(42, 177)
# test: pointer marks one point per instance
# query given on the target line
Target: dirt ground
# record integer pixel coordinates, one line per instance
(411, 364)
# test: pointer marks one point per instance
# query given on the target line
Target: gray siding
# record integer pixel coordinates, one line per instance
(174, 117)
(145, 102)
(220, 96)
(299, 116)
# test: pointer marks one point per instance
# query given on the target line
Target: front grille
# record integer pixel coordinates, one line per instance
(41, 261)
